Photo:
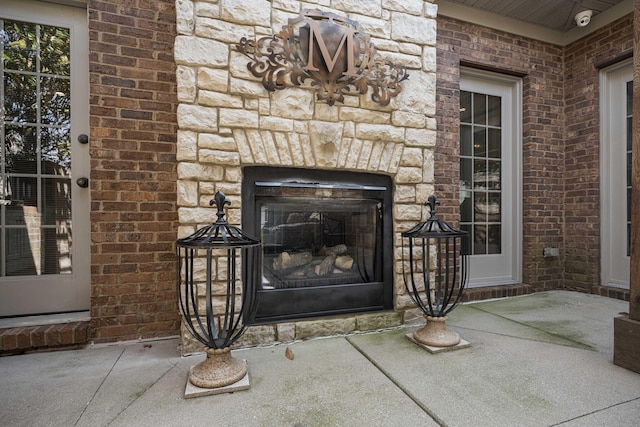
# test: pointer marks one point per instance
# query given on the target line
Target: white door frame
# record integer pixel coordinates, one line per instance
(72, 291)
(505, 268)
(614, 261)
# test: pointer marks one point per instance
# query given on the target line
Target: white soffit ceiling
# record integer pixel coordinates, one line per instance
(551, 21)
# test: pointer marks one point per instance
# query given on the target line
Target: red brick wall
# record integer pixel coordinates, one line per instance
(133, 169)
(543, 122)
(582, 164)
(560, 144)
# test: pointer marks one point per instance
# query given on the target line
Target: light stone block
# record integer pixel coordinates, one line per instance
(208, 9)
(409, 175)
(236, 117)
(286, 332)
(325, 327)
(212, 79)
(216, 99)
(249, 12)
(431, 10)
(354, 153)
(292, 103)
(325, 138)
(195, 117)
(413, 7)
(187, 145)
(219, 157)
(379, 132)
(243, 146)
(238, 66)
(413, 29)
(404, 194)
(282, 144)
(187, 193)
(408, 119)
(411, 62)
(385, 45)
(217, 142)
(270, 148)
(326, 112)
(257, 146)
(410, 49)
(185, 17)
(364, 7)
(226, 32)
(345, 146)
(412, 156)
(186, 82)
(420, 138)
(377, 321)
(255, 335)
(307, 151)
(365, 154)
(247, 87)
(364, 116)
(376, 154)
(196, 171)
(276, 124)
(386, 157)
(395, 158)
(297, 154)
(419, 93)
(197, 215)
(190, 50)
(428, 168)
(287, 5)
(429, 59)
(373, 26)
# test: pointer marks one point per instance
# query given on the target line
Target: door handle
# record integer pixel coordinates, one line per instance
(82, 182)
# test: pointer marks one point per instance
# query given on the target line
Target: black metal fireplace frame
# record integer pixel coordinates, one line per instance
(277, 305)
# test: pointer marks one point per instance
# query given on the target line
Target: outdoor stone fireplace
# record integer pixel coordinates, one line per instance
(232, 128)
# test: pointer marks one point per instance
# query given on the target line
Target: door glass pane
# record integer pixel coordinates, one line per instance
(35, 182)
(481, 172)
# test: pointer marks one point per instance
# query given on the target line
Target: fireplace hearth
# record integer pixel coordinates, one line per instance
(327, 241)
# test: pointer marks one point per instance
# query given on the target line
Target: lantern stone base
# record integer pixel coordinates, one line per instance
(192, 391)
(435, 337)
(219, 370)
(433, 349)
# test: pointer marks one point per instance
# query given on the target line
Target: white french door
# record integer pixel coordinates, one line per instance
(490, 159)
(616, 85)
(44, 210)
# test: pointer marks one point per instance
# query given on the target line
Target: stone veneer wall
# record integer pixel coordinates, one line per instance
(227, 120)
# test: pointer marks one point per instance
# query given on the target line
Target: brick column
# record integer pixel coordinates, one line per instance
(626, 347)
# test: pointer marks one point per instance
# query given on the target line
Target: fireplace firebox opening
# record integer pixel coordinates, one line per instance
(327, 241)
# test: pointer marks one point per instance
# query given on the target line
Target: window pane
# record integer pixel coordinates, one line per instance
(21, 260)
(494, 111)
(494, 207)
(20, 101)
(479, 239)
(493, 240)
(57, 250)
(21, 150)
(480, 206)
(479, 141)
(466, 140)
(56, 104)
(479, 109)
(55, 50)
(56, 200)
(20, 45)
(493, 175)
(56, 151)
(480, 174)
(494, 142)
(465, 107)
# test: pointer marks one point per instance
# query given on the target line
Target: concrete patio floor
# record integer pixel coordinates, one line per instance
(538, 360)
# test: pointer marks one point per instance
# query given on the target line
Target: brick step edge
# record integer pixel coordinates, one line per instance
(492, 292)
(28, 339)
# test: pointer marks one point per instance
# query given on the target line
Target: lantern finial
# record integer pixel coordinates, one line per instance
(432, 203)
(219, 199)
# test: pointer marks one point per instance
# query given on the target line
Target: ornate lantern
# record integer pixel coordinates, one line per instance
(213, 309)
(437, 274)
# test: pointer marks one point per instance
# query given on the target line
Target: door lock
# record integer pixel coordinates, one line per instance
(82, 182)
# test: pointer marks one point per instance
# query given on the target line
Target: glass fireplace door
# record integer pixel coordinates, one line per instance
(324, 245)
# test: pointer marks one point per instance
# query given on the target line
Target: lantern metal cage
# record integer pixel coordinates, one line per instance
(220, 318)
(436, 274)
